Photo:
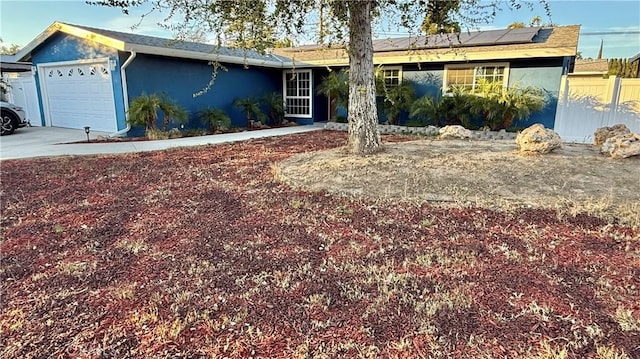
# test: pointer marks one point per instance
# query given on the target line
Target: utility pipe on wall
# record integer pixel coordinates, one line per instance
(125, 95)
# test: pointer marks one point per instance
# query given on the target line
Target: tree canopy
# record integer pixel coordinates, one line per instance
(257, 24)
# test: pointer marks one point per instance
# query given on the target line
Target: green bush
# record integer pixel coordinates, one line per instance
(500, 106)
(215, 119)
(251, 107)
(496, 106)
(275, 106)
(425, 110)
(336, 87)
(144, 109)
(397, 99)
(457, 107)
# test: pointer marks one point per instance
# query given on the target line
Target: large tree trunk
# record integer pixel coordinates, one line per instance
(363, 116)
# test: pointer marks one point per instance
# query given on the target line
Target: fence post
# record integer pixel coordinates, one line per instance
(615, 99)
(563, 99)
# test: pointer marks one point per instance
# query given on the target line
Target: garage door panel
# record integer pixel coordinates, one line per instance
(81, 95)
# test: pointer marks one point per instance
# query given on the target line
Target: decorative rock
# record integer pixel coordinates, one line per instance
(604, 133)
(537, 139)
(455, 131)
(432, 131)
(622, 146)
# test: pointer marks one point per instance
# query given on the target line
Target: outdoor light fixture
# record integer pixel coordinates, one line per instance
(87, 129)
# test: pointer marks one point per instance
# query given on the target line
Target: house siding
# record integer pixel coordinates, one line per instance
(62, 47)
(428, 79)
(545, 74)
(542, 73)
(181, 79)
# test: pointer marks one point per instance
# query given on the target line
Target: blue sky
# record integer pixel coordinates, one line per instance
(23, 20)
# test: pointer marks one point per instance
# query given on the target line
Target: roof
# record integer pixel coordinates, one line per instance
(8, 63)
(635, 58)
(532, 42)
(599, 66)
(157, 46)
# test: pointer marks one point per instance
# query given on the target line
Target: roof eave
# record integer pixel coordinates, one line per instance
(195, 55)
(25, 52)
(450, 56)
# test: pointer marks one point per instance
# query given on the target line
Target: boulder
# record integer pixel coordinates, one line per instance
(604, 133)
(537, 139)
(622, 146)
(455, 131)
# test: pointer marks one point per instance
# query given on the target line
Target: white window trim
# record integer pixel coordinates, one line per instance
(387, 68)
(445, 76)
(309, 97)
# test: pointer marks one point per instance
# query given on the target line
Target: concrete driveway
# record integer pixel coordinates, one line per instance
(30, 142)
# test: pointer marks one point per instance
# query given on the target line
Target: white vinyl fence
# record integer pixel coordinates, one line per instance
(586, 103)
(22, 92)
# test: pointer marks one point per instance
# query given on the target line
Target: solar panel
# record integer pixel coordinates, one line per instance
(478, 38)
(522, 35)
(485, 37)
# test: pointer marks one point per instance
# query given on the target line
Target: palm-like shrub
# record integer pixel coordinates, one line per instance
(275, 106)
(426, 109)
(216, 119)
(144, 109)
(501, 106)
(393, 99)
(172, 112)
(251, 107)
(457, 107)
(397, 99)
(519, 103)
(336, 87)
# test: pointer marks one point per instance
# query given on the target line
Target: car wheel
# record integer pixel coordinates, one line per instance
(8, 124)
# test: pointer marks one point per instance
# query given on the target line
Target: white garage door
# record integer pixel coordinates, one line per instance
(79, 94)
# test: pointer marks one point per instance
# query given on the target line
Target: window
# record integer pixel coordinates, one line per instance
(392, 76)
(467, 76)
(297, 93)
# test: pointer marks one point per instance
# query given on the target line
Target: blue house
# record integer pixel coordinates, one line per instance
(530, 56)
(87, 77)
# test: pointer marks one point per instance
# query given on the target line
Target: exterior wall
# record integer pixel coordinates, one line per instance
(320, 103)
(428, 80)
(180, 79)
(542, 73)
(62, 47)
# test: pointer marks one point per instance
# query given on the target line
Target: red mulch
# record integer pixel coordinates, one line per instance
(201, 252)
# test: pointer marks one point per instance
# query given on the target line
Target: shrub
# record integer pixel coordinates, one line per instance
(457, 107)
(336, 87)
(341, 119)
(216, 119)
(275, 105)
(425, 110)
(501, 106)
(397, 99)
(251, 107)
(144, 109)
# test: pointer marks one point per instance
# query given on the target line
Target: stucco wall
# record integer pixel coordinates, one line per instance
(545, 74)
(180, 79)
(542, 73)
(61, 47)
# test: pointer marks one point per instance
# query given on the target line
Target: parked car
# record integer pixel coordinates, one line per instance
(13, 117)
